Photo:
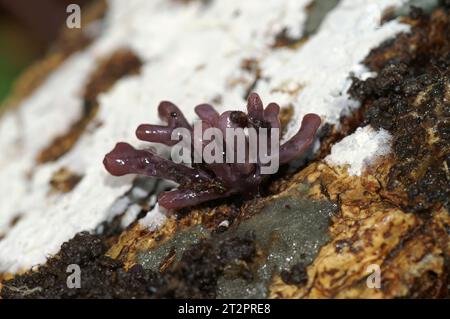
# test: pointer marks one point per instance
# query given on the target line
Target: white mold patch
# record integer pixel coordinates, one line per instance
(154, 218)
(360, 149)
(191, 54)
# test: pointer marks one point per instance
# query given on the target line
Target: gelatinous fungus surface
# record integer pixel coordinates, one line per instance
(220, 178)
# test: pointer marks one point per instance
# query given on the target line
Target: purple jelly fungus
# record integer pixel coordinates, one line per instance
(204, 182)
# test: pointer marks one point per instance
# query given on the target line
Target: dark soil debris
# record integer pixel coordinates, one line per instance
(101, 276)
(283, 39)
(410, 98)
(297, 275)
(194, 276)
(198, 271)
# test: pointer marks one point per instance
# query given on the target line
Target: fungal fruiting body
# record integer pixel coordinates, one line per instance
(203, 181)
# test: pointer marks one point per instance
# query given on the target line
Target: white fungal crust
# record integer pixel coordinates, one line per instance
(192, 54)
(360, 149)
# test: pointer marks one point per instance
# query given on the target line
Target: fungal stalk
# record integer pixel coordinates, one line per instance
(203, 181)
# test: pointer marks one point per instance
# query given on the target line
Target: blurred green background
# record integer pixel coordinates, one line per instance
(18, 48)
(27, 29)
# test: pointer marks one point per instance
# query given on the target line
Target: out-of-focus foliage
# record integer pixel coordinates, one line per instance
(17, 50)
